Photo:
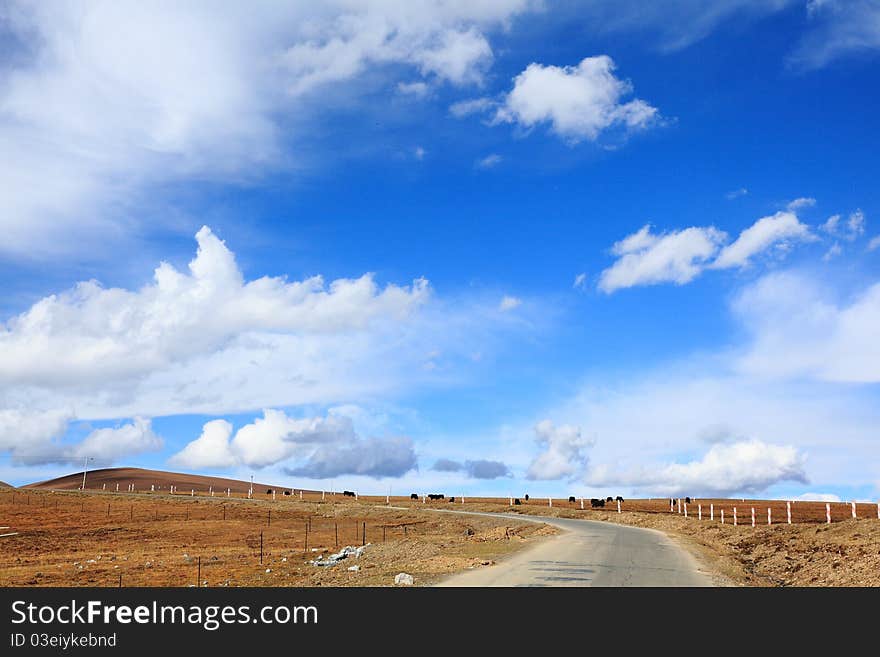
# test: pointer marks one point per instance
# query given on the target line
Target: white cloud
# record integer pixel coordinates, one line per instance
(27, 433)
(742, 467)
(563, 452)
(209, 450)
(736, 193)
(35, 437)
(874, 243)
(509, 303)
(206, 340)
(852, 229)
(800, 203)
(580, 281)
(798, 329)
(778, 230)
(839, 29)
(112, 444)
(578, 102)
(416, 89)
(317, 447)
(465, 108)
(646, 258)
(818, 497)
(490, 161)
(91, 333)
(832, 252)
(109, 101)
(419, 153)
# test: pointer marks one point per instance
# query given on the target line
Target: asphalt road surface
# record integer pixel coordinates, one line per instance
(591, 553)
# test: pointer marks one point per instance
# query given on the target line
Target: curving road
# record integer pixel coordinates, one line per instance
(591, 553)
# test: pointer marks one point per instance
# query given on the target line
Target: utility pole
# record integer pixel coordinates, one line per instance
(85, 469)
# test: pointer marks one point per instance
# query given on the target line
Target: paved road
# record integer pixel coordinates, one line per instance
(591, 553)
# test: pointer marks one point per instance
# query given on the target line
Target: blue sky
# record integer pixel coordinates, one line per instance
(562, 248)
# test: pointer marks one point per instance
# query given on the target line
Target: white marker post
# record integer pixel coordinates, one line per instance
(582, 507)
(853, 509)
(462, 499)
(699, 511)
(722, 516)
(192, 492)
(711, 512)
(550, 502)
(679, 506)
(734, 516)
(227, 492)
(828, 513)
(424, 499)
(685, 509)
(103, 486)
(273, 494)
(618, 506)
(387, 499)
(117, 490)
(878, 511)
(769, 521)
(355, 495)
(753, 516)
(788, 511)
(671, 506)
(152, 488)
(301, 495)
(322, 496)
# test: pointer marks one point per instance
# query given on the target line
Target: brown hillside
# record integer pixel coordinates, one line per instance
(3, 484)
(143, 479)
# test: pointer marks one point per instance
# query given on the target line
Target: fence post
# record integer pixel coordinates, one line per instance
(753, 516)
(734, 516)
(550, 502)
(582, 504)
(722, 516)
(788, 511)
(828, 513)
(769, 521)
(618, 506)
(711, 512)
(685, 510)
(853, 509)
(699, 511)
(679, 505)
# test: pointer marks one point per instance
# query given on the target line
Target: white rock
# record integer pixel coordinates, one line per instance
(268, 570)
(403, 579)
(354, 569)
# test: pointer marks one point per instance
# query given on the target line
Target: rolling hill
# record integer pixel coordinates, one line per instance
(143, 479)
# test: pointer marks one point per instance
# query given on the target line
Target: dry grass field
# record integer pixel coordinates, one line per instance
(70, 538)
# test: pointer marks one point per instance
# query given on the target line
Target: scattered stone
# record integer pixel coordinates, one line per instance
(344, 553)
(187, 558)
(354, 569)
(468, 532)
(283, 559)
(268, 570)
(403, 579)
